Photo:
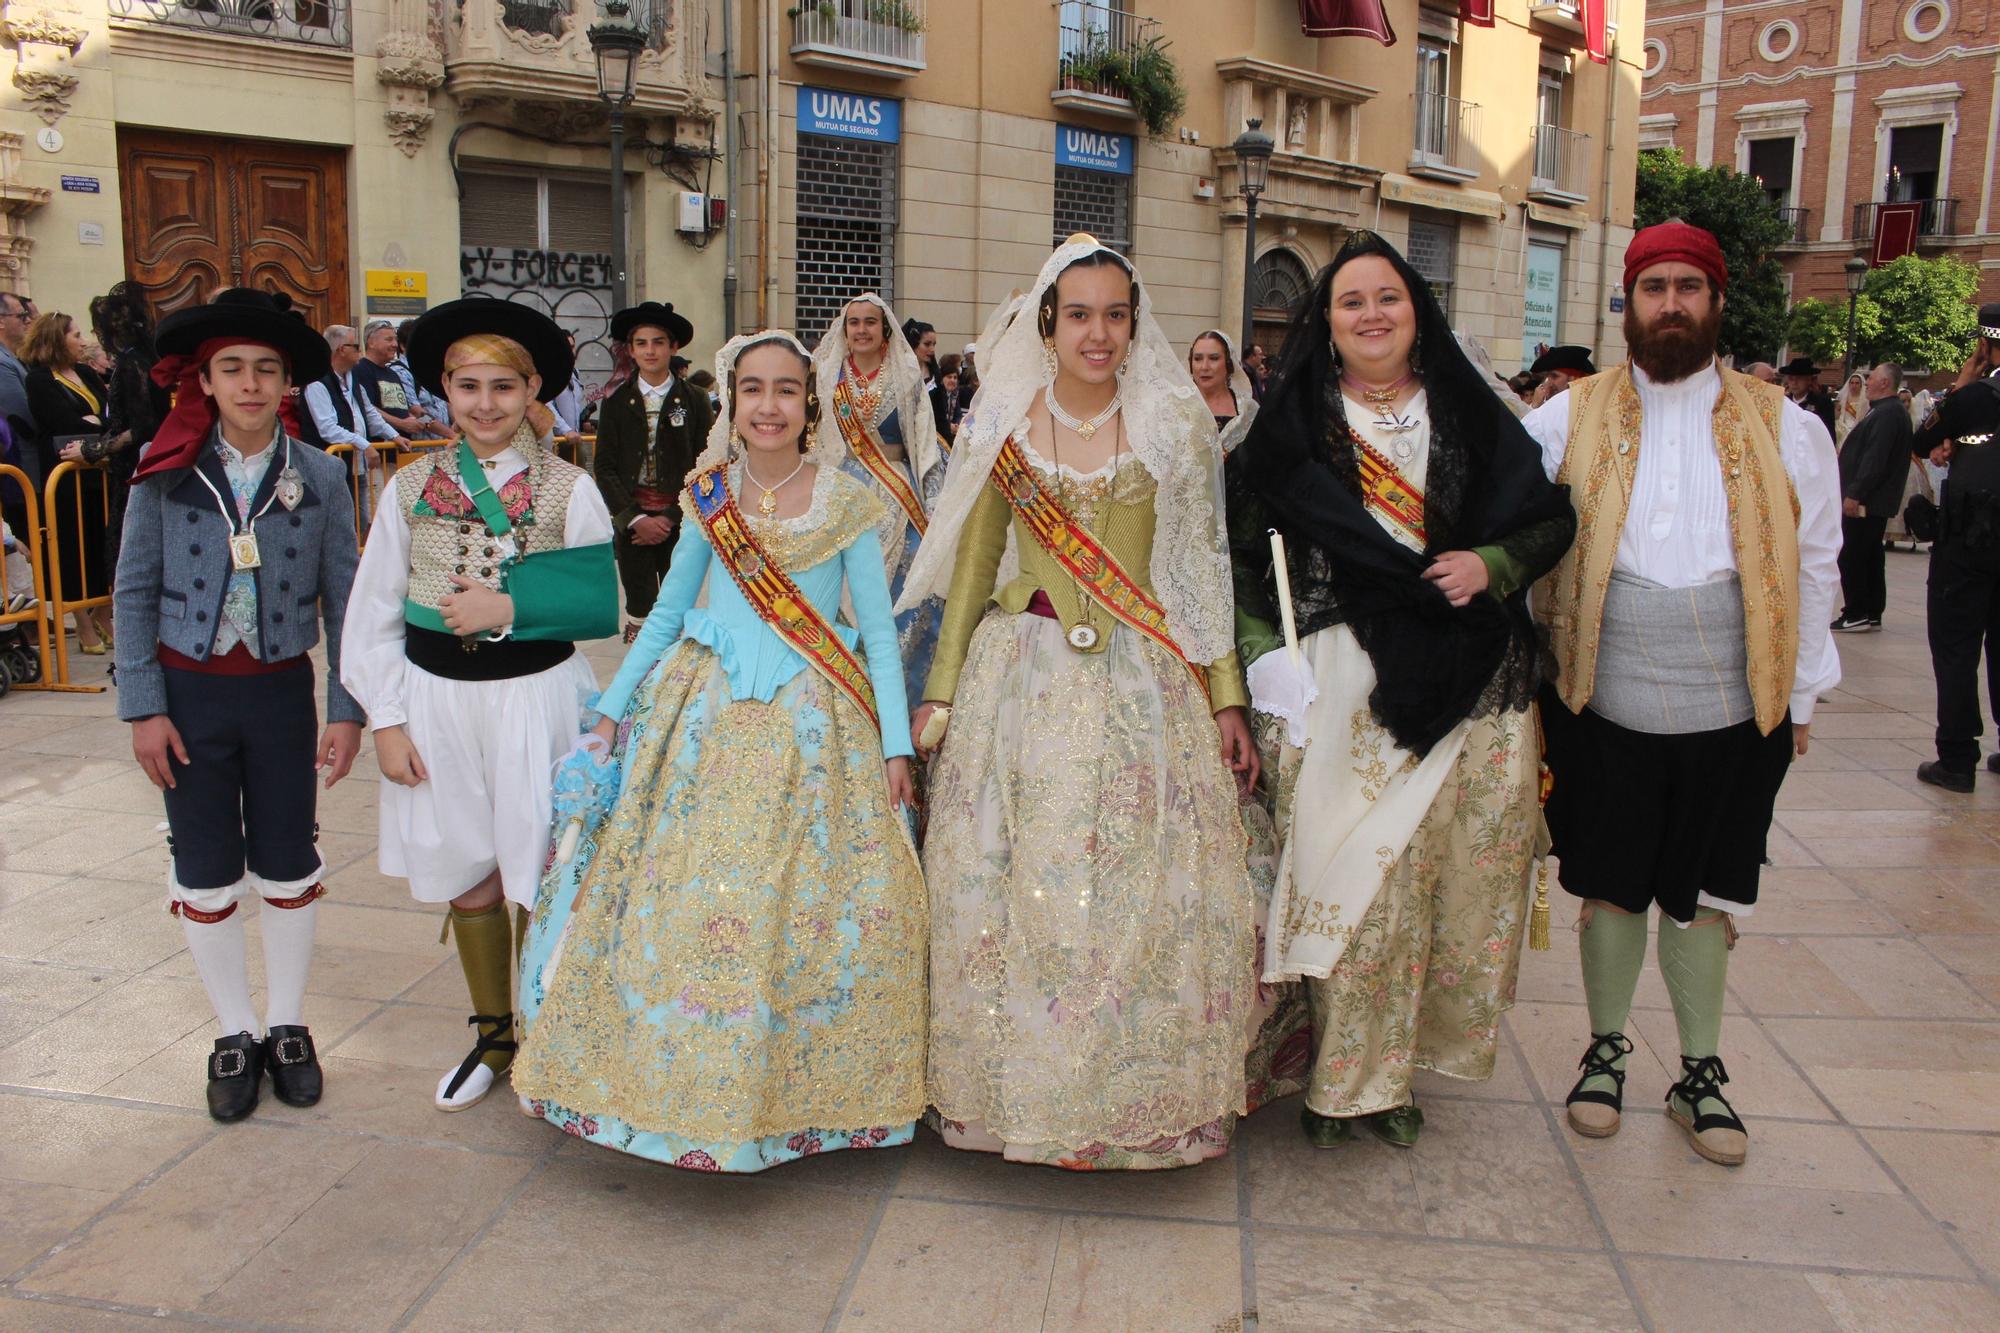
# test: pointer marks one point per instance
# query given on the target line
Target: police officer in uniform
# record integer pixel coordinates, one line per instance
(1964, 599)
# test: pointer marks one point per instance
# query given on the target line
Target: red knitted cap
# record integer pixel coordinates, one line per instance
(1676, 241)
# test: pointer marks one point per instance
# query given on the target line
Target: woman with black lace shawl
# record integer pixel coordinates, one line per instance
(1415, 515)
(134, 406)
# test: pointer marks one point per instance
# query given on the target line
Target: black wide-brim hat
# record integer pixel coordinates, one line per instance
(1799, 365)
(239, 312)
(441, 326)
(1569, 357)
(652, 314)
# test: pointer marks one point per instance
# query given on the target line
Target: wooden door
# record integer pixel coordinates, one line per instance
(202, 212)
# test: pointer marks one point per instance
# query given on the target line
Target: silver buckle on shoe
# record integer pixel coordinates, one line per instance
(242, 1065)
(297, 1044)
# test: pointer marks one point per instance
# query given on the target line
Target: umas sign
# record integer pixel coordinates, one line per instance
(1093, 150)
(850, 115)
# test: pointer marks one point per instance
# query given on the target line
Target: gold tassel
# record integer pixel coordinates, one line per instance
(1538, 916)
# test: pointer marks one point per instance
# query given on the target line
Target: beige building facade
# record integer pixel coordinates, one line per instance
(369, 157)
(1501, 159)
(374, 156)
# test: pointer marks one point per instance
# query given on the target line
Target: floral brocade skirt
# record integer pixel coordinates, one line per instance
(730, 972)
(1094, 1000)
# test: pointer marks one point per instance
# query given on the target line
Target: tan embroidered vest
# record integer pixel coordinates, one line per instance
(447, 535)
(1598, 466)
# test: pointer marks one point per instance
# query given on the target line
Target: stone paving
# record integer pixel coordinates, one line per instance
(1862, 1038)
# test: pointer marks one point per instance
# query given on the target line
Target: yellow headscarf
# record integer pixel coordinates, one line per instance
(491, 349)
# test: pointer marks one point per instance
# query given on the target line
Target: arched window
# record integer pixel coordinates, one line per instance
(1282, 280)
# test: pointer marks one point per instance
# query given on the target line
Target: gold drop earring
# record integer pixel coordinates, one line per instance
(1049, 359)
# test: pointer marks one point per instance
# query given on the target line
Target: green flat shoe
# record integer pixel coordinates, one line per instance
(1397, 1128)
(1323, 1131)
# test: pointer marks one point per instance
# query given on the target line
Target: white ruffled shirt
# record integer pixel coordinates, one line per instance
(372, 665)
(1677, 526)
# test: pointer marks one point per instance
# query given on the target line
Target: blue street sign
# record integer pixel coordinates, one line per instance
(850, 115)
(1094, 150)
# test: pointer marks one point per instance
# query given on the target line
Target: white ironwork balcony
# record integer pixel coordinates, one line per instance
(322, 23)
(1568, 14)
(882, 37)
(1446, 138)
(1561, 164)
(1099, 41)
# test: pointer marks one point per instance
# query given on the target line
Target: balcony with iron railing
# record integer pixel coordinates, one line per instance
(880, 37)
(1560, 168)
(1099, 46)
(321, 23)
(1937, 219)
(1796, 221)
(1446, 137)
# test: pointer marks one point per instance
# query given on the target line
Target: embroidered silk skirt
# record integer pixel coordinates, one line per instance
(1093, 916)
(730, 972)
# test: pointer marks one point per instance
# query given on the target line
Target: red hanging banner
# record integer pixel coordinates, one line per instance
(1896, 228)
(1479, 13)
(1346, 18)
(1595, 38)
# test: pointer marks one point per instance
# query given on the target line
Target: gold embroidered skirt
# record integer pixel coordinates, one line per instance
(731, 973)
(1093, 932)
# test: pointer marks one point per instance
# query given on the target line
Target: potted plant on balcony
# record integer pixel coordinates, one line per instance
(1143, 74)
(902, 15)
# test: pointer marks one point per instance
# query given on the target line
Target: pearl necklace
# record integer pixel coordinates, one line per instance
(768, 504)
(1082, 429)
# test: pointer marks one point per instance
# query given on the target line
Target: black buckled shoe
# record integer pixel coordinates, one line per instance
(296, 1079)
(1717, 1135)
(235, 1075)
(1596, 1113)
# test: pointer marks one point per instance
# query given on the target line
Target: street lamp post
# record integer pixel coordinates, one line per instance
(1253, 158)
(616, 44)
(1857, 277)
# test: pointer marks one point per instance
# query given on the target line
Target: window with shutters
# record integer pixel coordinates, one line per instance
(846, 227)
(543, 239)
(1099, 202)
(1434, 254)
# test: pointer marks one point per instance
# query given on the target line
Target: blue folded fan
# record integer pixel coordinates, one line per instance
(585, 787)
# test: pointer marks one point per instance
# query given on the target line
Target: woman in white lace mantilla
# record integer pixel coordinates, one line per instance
(1093, 918)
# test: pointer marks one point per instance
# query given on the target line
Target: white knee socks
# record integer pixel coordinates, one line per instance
(218, 950)
(288, 946)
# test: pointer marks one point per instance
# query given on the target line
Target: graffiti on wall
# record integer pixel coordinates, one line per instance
(572, 287)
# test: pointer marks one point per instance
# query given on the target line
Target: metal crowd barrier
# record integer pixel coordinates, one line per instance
(35, 614)
(61, 605)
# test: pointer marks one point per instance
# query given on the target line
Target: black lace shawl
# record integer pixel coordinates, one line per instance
(1435, 665)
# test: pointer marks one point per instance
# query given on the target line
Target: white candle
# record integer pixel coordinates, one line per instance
(1284, 578)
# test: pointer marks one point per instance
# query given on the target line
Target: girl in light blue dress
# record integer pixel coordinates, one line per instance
(730, 971)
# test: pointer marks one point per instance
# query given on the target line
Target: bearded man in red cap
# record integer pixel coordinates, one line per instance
(1689, 627)
(238, 546)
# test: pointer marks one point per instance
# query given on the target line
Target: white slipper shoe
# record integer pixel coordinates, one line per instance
(470, 1093)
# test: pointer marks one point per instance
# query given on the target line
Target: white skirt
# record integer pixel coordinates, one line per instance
(489, 746)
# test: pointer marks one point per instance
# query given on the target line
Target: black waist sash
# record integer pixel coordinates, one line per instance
(454, 658)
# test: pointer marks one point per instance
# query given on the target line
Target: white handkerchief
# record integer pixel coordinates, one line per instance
(1283, 690)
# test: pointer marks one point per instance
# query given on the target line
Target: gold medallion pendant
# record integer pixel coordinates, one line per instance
(243, 551)
(1083, 637)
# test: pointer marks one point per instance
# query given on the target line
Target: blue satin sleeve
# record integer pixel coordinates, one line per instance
(868, 588)
(662, 629)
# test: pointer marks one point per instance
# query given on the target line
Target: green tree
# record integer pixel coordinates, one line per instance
(1914, 311)
(1747, 224)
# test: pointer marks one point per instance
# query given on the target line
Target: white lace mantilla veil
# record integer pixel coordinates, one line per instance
(1238, 428)
(1171, 433)
(719, 431)
(903, 393)
(1475, 352)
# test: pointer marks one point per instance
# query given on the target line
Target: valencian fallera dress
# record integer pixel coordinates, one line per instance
(730, 973)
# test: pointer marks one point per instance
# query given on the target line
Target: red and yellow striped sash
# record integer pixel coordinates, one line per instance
(1385, 490)
(1080, 554)
(771, 592)
(849, 415)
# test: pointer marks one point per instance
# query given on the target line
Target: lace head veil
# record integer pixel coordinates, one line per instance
(724, 426)
(1239, 385)
(902, 381)
(1171, 434)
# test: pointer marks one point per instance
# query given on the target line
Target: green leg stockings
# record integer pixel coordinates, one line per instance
(1694, 961)
(1613, 945)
